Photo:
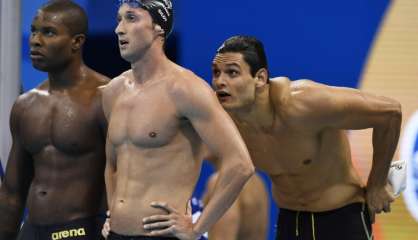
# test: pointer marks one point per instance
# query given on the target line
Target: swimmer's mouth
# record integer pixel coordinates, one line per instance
(222, 95)
(123, 42)
(36, 55)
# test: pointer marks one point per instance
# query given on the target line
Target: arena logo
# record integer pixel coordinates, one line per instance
(168, 4)
(68, 234)
(409, 152)
(162, 15)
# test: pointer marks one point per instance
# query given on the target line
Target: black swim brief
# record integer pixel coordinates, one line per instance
(351, 222)
(79, 229)
(115, 236)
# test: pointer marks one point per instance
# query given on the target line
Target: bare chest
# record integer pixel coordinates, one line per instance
(65, 124)
(147, 120)
(284, 151)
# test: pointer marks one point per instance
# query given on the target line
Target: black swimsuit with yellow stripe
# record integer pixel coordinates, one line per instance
(351, 222)
(79, 229)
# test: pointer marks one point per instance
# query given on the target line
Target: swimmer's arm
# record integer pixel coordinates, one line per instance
(347, 108)
(110, 172)
(228, 225)
(18, 177)
(109, 94)
(101, 115)
(107, 100)
(199, 104)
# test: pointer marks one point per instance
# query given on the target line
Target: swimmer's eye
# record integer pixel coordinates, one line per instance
(233, 73)
(216, 72)
(130, 17)
(48, 32)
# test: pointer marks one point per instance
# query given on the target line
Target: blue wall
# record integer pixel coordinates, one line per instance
(323, 40)
(327, 41)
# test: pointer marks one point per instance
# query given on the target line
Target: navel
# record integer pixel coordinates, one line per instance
(307, 161)
(152, 134)
(43, 193)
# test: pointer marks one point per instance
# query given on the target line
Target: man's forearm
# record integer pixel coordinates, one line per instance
(10, 218)
(385, 140)
(228, 186)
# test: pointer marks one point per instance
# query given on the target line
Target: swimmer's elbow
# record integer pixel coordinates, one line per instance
(238, 165)
(245, 168)
(392, 111)
(397, 110)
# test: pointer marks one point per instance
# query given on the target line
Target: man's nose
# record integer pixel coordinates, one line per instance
(120, 30)
(35, 40)
(219, 81)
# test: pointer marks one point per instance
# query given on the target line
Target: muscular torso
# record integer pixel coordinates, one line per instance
(310, 170)
(157, 155)
(62, 133)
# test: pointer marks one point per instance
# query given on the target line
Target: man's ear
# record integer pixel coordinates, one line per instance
(261, 77)
(78, 42)
(159, 29)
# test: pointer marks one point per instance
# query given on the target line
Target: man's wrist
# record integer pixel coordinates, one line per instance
(371, 184)
(196, 234)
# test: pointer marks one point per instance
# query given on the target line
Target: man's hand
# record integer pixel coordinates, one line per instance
(379, 199)
(171, 224)
(106, 226)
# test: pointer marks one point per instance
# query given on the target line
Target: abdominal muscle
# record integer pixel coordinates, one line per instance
(142, 178)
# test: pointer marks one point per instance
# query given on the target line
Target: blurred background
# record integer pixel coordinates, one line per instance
(370, 45)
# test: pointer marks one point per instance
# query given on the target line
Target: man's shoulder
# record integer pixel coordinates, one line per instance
(98, 79)
(303, 85)
(184, 81)
(190, 93)
(124, 75)
(314, 95)
(304, 90)
(296, 99)
(27, 99)
(184, 75)
(41, 91)
(120, 80)
(116, 82)
(32, 96)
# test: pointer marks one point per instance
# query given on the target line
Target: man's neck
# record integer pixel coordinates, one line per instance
(260, 114)
(150, 65)
(67, 77)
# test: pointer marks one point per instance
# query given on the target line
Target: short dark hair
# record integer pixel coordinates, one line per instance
(74, 16)
(251, 49)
